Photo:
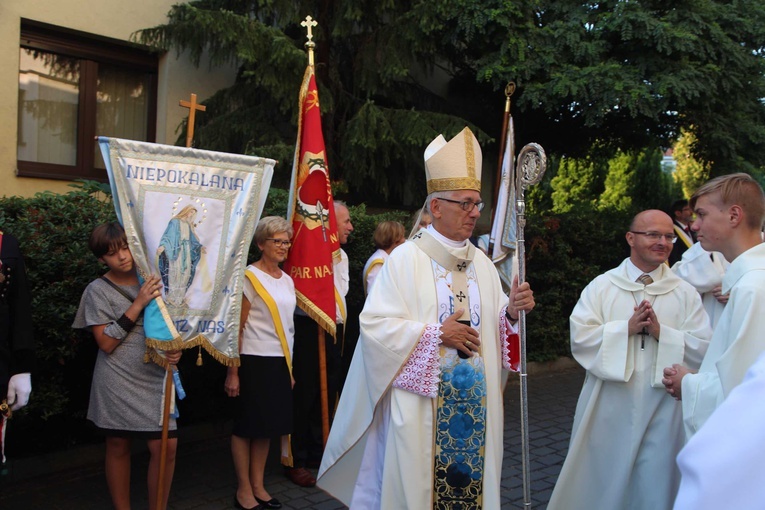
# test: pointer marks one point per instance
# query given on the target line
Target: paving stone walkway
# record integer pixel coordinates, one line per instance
(204, 476)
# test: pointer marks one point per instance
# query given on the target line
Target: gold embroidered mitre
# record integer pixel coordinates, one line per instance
(455, 164)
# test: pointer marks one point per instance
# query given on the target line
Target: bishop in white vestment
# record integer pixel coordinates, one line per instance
(420, 420)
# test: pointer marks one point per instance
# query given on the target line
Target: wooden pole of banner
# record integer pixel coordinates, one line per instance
(509, 90)
(308, 24)
(323, 386)
(165, 433)
(193, 107)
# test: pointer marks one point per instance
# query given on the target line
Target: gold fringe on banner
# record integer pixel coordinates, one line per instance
(316, 314)
(178, 343)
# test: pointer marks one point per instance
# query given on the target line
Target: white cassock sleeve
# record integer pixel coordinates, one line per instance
(600, 345)
(741, 339)
(697, 268)
(719, 465)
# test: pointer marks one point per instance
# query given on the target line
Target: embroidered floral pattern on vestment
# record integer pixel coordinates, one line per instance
(421, 371)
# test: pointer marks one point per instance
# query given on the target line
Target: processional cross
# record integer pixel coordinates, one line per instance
(193, 107)
(309, 23)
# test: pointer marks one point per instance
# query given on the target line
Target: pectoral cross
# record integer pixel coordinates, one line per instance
(193, 107)
(643, 333)
(646, 280)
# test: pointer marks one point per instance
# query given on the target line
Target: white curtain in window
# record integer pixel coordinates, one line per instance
(122, 107)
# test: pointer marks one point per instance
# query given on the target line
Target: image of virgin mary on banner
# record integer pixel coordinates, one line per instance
(189, 216)
(178, 254)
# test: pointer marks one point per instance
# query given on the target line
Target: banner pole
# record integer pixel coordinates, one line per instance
(163, 447)
(193, 107)
(323, 385)
(509, 90)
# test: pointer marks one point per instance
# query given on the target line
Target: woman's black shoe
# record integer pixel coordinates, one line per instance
(271, 503)
(238, 505)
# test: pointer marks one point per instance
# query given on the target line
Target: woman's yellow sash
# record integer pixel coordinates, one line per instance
(286, 442)
(271, 305)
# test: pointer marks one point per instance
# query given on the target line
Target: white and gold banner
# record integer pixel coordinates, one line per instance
(189, 216)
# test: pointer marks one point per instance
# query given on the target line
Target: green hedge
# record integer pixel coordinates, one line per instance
(53, 230)
(564, 252)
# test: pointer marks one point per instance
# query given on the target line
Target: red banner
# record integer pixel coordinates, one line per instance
(312, 213)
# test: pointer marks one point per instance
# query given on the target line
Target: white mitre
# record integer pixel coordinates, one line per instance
(454, 165)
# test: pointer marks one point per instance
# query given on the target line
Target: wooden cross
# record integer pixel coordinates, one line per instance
(193, 107)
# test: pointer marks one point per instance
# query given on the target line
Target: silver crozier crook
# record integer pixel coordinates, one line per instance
(530, 167)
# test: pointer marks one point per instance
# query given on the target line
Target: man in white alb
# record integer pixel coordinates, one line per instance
(722, 403)
(628, 324)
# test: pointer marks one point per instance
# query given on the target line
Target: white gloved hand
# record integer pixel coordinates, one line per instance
(19, 388)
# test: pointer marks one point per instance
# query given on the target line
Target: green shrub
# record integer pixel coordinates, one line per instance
(361, 246)
(564, 252)
(53, 230)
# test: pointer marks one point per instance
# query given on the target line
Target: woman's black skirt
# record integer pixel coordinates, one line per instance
(265, 398)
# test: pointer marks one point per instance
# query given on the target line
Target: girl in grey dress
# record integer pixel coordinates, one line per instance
(126, 394)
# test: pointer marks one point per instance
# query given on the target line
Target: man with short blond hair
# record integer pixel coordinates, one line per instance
(729, 216)
(721, 406)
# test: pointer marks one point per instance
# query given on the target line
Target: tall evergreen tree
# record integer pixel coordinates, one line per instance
(620, 183)
(654, 188)
(689, 172)
(378, 111)
(612, 74)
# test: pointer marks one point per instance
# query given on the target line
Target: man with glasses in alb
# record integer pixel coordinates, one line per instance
(630, 323)
(419, 424)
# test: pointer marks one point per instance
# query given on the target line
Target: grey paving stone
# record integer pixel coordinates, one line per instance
(204, 476)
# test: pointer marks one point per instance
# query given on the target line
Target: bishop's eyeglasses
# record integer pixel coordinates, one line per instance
(655, 236)
(466, 205)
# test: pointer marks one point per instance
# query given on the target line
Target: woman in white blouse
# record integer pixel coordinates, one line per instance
(387, 236)
(263, 382)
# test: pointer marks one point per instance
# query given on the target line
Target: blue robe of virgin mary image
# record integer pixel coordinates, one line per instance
(178, 255)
